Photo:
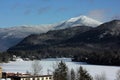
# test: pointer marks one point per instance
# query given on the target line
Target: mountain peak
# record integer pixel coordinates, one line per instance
(79, 21)
(77, 18)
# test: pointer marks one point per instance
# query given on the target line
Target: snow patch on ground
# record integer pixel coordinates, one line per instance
(58, 59)
(49, 64)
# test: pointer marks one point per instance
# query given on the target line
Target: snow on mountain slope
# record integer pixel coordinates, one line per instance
(11, 36)
(79, 21)
(23, 31)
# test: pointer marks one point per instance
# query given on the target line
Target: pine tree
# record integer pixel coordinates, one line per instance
(72, 74)
(56, 75)
(60, 72)
(83, 74)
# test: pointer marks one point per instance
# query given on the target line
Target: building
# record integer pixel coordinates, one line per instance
(42, 77)
(20, 76)
(0, 72)
(9, 75)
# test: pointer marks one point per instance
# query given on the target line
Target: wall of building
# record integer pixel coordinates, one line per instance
(38, 78)
(0, 72)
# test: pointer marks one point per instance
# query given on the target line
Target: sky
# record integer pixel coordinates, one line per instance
(35, 12)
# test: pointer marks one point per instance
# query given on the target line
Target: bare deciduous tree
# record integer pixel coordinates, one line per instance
(118, 75)
(101, 77)
(36, 67)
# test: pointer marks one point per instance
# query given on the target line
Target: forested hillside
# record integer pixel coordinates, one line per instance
(99, 45)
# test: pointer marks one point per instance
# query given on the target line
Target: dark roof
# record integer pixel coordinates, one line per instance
(30, 76)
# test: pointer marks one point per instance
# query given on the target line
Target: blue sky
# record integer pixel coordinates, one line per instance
(34, 12)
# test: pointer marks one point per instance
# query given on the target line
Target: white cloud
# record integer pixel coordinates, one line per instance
(97, 14)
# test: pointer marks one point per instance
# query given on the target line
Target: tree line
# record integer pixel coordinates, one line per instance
(91, 56)
(5, 57)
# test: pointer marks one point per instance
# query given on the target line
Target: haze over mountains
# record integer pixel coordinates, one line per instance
(11, 36)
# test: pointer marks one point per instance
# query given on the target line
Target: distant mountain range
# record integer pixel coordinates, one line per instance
(94, 45)
(105, 36)
(11, 36)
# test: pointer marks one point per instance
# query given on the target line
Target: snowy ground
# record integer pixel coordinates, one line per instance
(23, 66)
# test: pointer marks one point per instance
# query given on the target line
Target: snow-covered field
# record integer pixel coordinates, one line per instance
(23, 66)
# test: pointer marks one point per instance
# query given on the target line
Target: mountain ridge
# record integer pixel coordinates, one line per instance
(99, 35)
(53, 37)
(81, 34)
(11, 36)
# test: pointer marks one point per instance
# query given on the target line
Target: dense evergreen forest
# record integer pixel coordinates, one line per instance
(100, 57)
(5, 57)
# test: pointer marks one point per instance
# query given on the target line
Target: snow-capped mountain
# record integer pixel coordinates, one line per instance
(11, 36)
(78, 21)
